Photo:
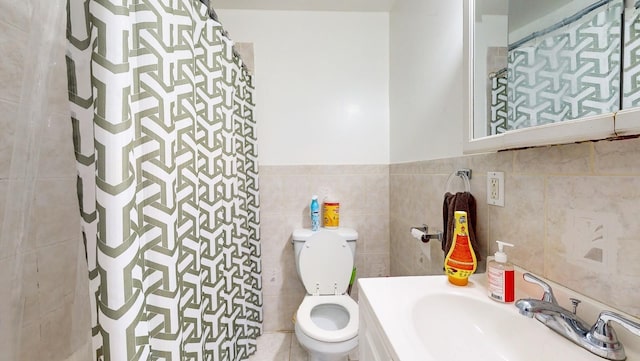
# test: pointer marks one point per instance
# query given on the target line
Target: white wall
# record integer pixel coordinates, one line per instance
(322, 84)
(426, 82)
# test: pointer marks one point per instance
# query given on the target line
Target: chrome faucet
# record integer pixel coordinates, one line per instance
(599, 339)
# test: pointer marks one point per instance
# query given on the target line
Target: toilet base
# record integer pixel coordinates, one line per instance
(324, 351)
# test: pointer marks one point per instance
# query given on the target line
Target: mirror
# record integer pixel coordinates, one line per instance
(543, 72)
(490, 67)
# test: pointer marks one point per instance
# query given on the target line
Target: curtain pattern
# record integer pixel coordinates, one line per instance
(631, 73)
(498, 105)
(571, 73)
(165, 143)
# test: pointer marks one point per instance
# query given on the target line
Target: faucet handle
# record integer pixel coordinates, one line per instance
(604, 336)
(602, 328)
(548, 292)
(575, 302)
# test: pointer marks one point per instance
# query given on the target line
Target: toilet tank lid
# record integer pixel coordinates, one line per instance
(303, 234)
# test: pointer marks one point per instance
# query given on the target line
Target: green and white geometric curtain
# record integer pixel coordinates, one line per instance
(165, 144)
(631, 73)
(569, 74)
(498, 105)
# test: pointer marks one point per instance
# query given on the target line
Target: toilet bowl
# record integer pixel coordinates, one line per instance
(326, 322)
(327, 326)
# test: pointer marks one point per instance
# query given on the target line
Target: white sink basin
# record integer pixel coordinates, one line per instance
(427, 319)
(490, 332)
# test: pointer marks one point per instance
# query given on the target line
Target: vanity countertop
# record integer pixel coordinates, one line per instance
(425, 318)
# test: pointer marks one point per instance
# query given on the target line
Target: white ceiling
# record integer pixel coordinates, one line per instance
(310, 5)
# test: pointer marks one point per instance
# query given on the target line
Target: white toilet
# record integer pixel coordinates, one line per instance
(326, 323)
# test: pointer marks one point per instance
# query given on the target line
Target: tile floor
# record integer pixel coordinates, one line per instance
(279, 346)
(283, 346)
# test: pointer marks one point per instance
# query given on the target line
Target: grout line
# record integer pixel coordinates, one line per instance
(290, 358)
(545, 206)
(592, 159)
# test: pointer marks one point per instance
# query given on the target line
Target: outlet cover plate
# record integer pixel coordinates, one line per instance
(495, 188)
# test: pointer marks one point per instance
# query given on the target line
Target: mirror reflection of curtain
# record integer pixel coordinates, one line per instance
(166, 151)
(631, 74)
(498, 105)
(570, 73)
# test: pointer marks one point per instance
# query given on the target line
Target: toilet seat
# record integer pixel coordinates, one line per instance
(309, 327)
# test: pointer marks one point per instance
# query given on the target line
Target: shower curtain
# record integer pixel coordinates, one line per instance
(165, 142)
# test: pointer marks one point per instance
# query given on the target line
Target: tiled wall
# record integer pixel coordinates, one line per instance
(285, 193)
(49, 262)
(571, 210)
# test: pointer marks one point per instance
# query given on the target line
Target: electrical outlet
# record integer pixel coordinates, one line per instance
(495, 188)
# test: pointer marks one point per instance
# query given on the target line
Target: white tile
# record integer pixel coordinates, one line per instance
(568, 159)
(618, 157)
(279, 311)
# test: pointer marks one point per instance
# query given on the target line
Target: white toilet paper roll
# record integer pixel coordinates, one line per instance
(417, 234)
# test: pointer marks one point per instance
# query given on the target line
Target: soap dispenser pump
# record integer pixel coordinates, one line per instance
(501, 276)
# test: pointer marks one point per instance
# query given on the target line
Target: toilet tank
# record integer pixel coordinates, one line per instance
(301, 235)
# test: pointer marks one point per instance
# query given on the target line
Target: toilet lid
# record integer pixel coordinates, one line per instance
(325, 262)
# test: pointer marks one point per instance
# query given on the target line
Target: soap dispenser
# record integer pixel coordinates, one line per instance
(501, 276)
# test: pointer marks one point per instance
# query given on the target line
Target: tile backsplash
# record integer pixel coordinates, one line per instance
(571, 211)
